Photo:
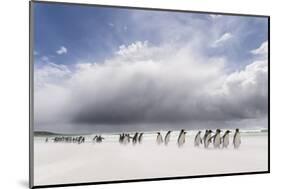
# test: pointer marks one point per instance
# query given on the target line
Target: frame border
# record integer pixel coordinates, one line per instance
(31, 97)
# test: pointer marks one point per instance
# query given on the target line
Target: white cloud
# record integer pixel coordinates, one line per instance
(50, 74)
(148, 84)
(132, 48)
(45, 59)
(225, 37)
(62, 50)
(111, 24)
(261, 50)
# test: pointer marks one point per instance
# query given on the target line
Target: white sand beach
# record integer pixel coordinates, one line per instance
(60, 163)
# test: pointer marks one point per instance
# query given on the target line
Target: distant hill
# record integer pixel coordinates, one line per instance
(264, 130)
(47, 133)
(44, 133)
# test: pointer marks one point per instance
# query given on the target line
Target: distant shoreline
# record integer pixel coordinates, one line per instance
(47, 133)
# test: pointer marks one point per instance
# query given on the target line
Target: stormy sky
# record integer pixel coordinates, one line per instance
(109, 70)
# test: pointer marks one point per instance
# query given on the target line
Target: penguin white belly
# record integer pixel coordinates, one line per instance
(207, 140)
(197, 140)
(181, 139)
(167, 138)
(140, 139)
(217, 141)
(237, 140)
(125, 140)
(159, 139)
(226, 141)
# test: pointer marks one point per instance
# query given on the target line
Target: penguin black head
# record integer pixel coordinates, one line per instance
(199, 131)
(237, 130)
(158, 133)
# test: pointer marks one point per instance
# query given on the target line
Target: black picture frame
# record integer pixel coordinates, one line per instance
(31, 92)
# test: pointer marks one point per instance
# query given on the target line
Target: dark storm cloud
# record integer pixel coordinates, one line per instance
(147, 85)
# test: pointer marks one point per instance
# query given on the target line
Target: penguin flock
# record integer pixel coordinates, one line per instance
(125, 138)
(98, 139)
(218, 140)
(210, 137)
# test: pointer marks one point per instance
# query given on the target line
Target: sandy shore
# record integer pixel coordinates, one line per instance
(59, 163)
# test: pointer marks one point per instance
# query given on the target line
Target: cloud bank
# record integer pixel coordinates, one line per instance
(151, 85)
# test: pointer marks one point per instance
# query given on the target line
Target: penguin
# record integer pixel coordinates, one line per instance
(99, 139)
(140, 138)
(236, 139)
(81, 140)
(126, 139)
(208, 138)
(159, 139)
(198, 139)
(205, 134)
(225, 139)
(95, 138)
(217, 139)
(135, 138)
(167, 137)
(121, 138)
(181, 138)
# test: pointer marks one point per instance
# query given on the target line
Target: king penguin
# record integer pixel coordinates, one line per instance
(126, 139)
(181, 138)
(205, 134)
(207, 139)
(225, 139)
(159, 139)
(135, 138)
(121, 138)
(198, 139)
(167, 137)
(217, 139)
(140, 138)
(236, 139)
